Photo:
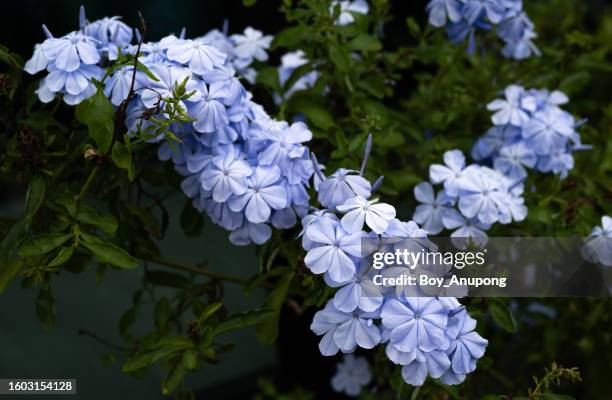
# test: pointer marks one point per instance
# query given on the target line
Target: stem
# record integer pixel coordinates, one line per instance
(201, 271)
(415, 393)
(90, 179)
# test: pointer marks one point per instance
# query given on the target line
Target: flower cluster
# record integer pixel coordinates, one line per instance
(74, 60)
(245, 170)
(426, 335)
(531, 131)
(472, 198)
(463, 17)
(348, 9)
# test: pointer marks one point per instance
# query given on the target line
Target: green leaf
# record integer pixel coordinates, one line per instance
(11, 239)
(34, 196)
(190, 359)
(413, 26)
(122, 157)
(45, 307)
(106, 252)
(249, 3)
(502, 315)
(64, 255)
(267, 330)
(191, 220)
(162, 313)
(242, 320)
(42, 244)
(98, 113)
(164, 348)
(8, 272)
(365, 42)
(208, 312)
(290, 37)
(268, 76)
(127, 319)
(314, 110)
(340, 57)
(91, 216)
(174, 378)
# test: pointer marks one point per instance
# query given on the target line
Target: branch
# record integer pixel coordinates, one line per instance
(201, 271)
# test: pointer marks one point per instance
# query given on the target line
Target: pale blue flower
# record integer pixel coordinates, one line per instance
(360, 292)
(598, 246)
(359, 210)
(496, 137)
(75, 85)
(69, 52)
(333, 249)
(348, 8)
(450, 173)
(250, 233)
(482, 194)
(264, 193)
(475, 9)
(467, 230)
(168, 77)
(429, 214)
(226, 175)
(344, 331)
(351, 375)
(284, 144)
(117, 86)
(252, 44)
(514, 109)
(549, 130)
(208, 109)
(341, 186)
(513, 159)
(416, 323)
(200, 58)
(466, 346)
(440, 10)
(38, 62)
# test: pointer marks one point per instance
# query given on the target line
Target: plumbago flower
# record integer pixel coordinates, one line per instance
(463, 18)
(598, 245)
(423, 332)
(348, 8)
(351, 375)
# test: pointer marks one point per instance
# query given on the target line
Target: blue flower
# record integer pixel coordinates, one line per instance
(344, 331)
(226, 176)
(341, 186)
(466, 346)
(513, 159)
(75, 85)
(351, 375)
(416, 323)
(201, 58)
(333, 250)
(207, 107)
(450, 173)
(359, 210)
(549, 130)
(440, 10)
(168, 77)
(359, 292)
(264, 193)
(598, 246)
(284, 144)
(252, 44)
(514, 109)
(117, 86)
(250, 233)
(472, 10)
(482, 194)
(467, 230)
(348, 8)
(429, 214)
(68, 53)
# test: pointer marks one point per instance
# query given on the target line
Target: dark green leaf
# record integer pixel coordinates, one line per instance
(365, 42)
(91, 216)
(164, 348)
(35, 196)
(8, 272)
(290, 37)
(208, 311)
(314, 110)
(267, 330)
(190, 359)
(268, 76)
(122, 157)
(42, 244)
(45, 307)
(242, 320)
(174, 378)
(502, 315)
(97, 113)
(64, 255)
(107, 252)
